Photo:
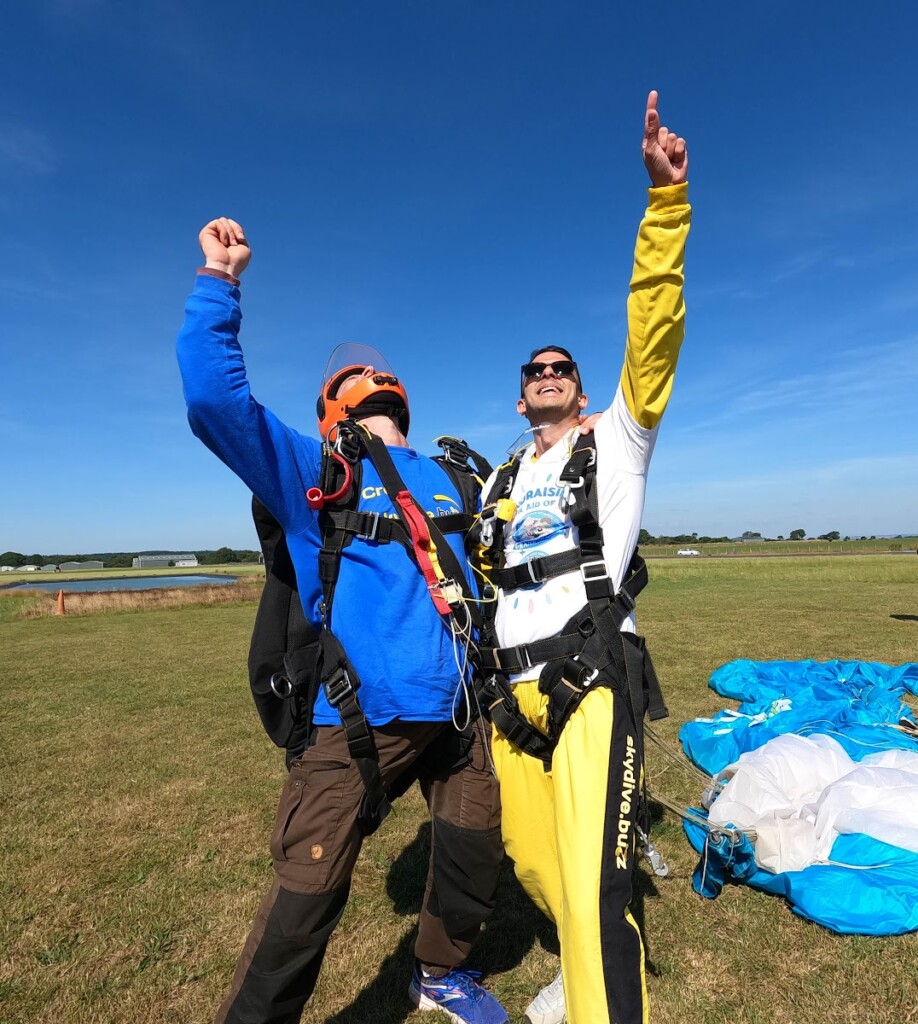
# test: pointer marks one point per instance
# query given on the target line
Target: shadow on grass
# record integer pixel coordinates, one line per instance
(905, 618)
(385, 999)
(515, 926)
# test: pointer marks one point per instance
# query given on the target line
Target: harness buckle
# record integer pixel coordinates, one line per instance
(448, 589)
(592, 572)
(281, 685)
(520, 655)
(486, 520)
(347, 444)
(374, 529)
(455, 450)
(529, 570)
(626, 599)
(486, 533)
(566, 499)
(577, 676)
(338, 688)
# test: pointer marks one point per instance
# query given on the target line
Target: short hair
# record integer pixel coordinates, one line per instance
(550, 348)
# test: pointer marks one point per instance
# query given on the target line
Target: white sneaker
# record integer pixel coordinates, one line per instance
(548, 1005)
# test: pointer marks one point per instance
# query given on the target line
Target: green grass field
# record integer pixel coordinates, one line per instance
(138, 793)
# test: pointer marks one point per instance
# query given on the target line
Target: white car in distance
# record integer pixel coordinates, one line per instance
(687, 551)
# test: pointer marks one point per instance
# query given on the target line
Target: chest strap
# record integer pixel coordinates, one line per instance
(591, 650)
(385, 530)
(570, 642)
(537, 570)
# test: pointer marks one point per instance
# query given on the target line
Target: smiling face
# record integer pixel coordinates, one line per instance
(551, 397)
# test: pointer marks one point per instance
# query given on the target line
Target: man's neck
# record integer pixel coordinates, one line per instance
(551, 433)
(386, 429)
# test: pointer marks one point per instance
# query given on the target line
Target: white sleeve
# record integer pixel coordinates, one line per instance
(625, 444)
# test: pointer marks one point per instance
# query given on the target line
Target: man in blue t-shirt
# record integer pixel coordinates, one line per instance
(403, 651)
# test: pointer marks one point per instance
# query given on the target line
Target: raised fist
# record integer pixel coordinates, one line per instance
(224, 246)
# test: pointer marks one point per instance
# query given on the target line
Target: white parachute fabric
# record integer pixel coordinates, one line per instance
(800, 793)
(866, 882)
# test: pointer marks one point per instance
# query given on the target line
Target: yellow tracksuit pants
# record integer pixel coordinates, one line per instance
(570, 834)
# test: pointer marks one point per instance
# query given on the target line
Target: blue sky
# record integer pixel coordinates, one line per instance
(454, 184)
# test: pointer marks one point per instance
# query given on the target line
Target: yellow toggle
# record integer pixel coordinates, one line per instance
(505, 509)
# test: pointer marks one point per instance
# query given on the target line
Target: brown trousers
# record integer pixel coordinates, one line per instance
(317, 839)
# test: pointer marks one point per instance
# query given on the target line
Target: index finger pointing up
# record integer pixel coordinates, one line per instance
(651, 117)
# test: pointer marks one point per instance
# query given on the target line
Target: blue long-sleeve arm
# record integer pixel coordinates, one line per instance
(274, 461)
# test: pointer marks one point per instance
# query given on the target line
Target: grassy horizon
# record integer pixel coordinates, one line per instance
(139, 792)
(801, 548)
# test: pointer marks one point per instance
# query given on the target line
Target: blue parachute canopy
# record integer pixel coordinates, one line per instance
(865, 886)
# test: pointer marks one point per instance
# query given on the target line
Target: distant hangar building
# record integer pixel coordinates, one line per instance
(90, 563)
(164, 561)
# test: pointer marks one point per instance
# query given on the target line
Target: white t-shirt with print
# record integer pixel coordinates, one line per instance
(539, 527)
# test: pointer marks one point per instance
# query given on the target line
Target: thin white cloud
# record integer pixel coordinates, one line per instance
(801, 263)
(855, 382)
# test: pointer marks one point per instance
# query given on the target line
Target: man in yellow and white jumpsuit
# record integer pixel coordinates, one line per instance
(570, 830)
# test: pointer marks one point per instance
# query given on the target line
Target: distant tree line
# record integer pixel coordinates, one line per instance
(123, 559)
(226, 556)
(645, 537)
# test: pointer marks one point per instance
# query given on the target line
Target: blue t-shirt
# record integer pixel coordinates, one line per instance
(401, 648)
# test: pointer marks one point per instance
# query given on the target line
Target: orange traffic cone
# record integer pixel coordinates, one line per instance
(60, 603)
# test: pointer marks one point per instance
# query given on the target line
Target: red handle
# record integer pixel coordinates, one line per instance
(315, 498)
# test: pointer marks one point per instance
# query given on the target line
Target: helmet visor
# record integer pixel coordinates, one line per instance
(352, 356)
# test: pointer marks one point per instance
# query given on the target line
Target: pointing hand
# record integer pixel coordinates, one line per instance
(665, 153)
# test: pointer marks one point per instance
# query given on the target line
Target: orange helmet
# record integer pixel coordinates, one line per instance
(382, 393)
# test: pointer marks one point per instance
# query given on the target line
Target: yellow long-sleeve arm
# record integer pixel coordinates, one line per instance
(656, 310)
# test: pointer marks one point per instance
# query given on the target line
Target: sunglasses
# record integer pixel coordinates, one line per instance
(560, 368)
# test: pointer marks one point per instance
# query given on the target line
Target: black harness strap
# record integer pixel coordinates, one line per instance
(288, 657)
(341, 685)
(516, 659)
(334, 669)
(591, 649)
(537, 570)
(340, 525)
(384, 530)
(501, 707)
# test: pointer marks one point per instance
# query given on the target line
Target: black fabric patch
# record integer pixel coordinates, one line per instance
(466, 868)
(286, 964)
(622, 953)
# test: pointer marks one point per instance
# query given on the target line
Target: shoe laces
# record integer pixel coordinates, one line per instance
(468, 981)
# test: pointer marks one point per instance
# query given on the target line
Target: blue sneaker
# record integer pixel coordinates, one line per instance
(457, 994)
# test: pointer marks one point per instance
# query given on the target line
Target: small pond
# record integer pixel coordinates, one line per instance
(125, 583)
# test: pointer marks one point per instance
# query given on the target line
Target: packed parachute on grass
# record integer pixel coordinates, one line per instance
(814, 790)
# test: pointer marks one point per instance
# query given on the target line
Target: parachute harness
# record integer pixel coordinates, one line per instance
(423, 540)
(591, 649)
